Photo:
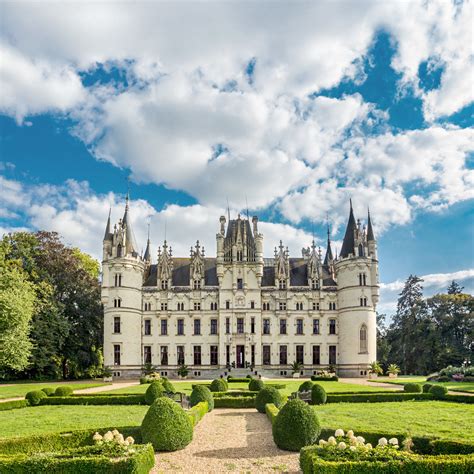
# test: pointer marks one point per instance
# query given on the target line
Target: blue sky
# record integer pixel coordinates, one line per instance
(293, 110)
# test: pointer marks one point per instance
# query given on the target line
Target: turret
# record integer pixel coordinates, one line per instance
(329, 259)
(107, 242)
(282, 267)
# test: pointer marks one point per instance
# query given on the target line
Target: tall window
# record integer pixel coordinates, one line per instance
(252, 325)
(252, 355)
(240, 325)
(316, 355)
(180, 307)
(197, 306)
(147, 327)
(240, 284)
(299, 326)
(266, 326)
(332, 306)
(117, 303)
(164, 306)
(332, 355)
(118, 279)
(213, 306)
(282, 284)
(164, 355)
(197, 355)
(315, 326)
(332, 326)
(227, 325)
(227, 304)
(117, 325)
(282, 326)
(363, 338)
(300, 354)
(239, 255)
(164, 327)
(180, 327)
(252, 305)
(197, 284)
(362, 279)
(227, 355)
(266, 306)
(266, 355)
(180, 354)
(164, 284)
(214, 355)
(283, 355)
(147, 354)
(315, 284)
(116, 354)
(363, 301)
(299, 306)
(197, 327)
(213, 326)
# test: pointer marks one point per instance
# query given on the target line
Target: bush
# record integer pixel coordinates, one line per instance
(438, 391)
(201, 394)
(378, 397)
(295, 426)
(426, 387)
(234, 402)
(316, 378)
(306, 386)
(231, 379)
(412, 388)
(34, 397)
(255, 385)
(48, 391)
(63, 391)
(468, 378)
(154, 391)
(132, 399)
(219, 385)
(318, 395)
(268, 395)
(444, 378)
(167, 385)
(196, 413)
(272, 411)
(233, 394)
(4, 406)
(166, 426)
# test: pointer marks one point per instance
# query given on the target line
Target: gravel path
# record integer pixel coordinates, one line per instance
(371, 383)
(227, 440)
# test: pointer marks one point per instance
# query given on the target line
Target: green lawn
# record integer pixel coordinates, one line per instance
(21, 389)
(421, 418)
(291, 386)
(455, 386)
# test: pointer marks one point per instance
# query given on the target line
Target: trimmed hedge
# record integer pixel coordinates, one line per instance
(4, 406)
(166, 426)
(268, 395)
(167, 385)
(439, 391)
(236, 393)
(295, 426)
(412, 388)
(34, 397)
(197, 412)
(48, 391)
(426, 387)
(255, 385)
(154, 391)
(306, 386)
(137, 399)
(234, 402)
(271, 411)
(315, 378)
(231, 379)
(219, 385)
(318, 395)
(377, 397)
(63, 391)
(279, 386)
(201, 394)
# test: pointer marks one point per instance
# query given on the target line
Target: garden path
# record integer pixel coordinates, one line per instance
(228, 440)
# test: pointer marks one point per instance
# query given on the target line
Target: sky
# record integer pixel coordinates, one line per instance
(284, 109)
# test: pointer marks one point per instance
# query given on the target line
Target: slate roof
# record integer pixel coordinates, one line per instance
(370, 231)
(348, 242)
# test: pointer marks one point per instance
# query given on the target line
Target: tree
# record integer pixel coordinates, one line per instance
(17, 298)
(383, 347)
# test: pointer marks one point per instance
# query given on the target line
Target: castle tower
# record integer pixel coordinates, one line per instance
(356, 271)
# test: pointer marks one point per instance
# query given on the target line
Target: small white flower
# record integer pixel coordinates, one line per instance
(332, 441)
(342, 445)
(353, 441)
(350, 434)
(108, 436)
(126, 443)
(115, 432)
(382, 442)
(339, 432)
(368, 446)
(322, 442)
(393, 441)
(97, 437)
(119, 438)
(352, 448)
(360, 439)
(130, 440)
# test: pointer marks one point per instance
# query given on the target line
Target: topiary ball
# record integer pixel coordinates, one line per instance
(48, 391)
(318, 395)
(154, 391)
(168, 386)
(412, 388)
(201, 393)
(166, 426)
(426, 387)
(63, 391)
(255, 385)
(295, 426)
(219, 385)
(34, 397)
(306, 386)
(438, 391)
(268, 395)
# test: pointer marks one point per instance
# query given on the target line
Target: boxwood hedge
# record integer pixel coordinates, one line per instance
(13, 404)
(268, 395)
(34, 397)
(201, 394)
(196, 413)
(63, 391)
(235, 402)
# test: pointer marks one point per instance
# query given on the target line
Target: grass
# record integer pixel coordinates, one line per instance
(291, 386)
(434, 418)
(455, 386)
(21, 389)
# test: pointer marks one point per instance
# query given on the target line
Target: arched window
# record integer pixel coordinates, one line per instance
(119, 250)
(363, 338)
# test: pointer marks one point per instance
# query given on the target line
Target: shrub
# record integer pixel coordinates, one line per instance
(168, 386)
(131, 399)
(234, 393)
(412, 388)
(426, 387)
(48, 391)
(255, 385)
(201, 394)
(268, 395)
(377, 397)
(234, 402)
(231, 379)
(219, 385)
(272, 411)
(34, 397)
(306, 386)
(4, 406)
(144, 380)
(468, 378)
(63, 391)
(166, 426)
(317, 378)
(196, 413)
(295, 426)
(438, 391)
(444, 378)
(318, 395)
(154, 391)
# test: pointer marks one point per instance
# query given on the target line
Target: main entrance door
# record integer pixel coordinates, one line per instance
(240, 356)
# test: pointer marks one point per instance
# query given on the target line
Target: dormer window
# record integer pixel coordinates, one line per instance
(197, 284)
(315, 284)
(282, 284)
(164, 284)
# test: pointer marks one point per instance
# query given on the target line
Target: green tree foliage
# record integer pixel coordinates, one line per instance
(17, 299)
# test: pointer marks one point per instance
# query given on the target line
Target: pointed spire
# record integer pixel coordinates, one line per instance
(370, 230)
(147, 255)
(108, 234)
(328, 258)
(348, 242)
(131, 245)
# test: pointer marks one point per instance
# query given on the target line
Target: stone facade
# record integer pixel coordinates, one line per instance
(239, 312)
